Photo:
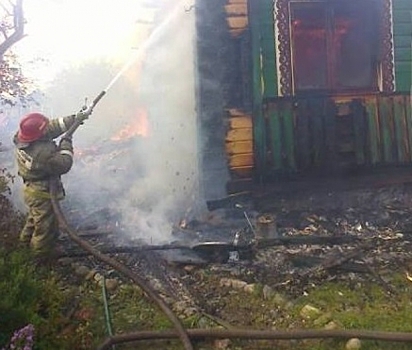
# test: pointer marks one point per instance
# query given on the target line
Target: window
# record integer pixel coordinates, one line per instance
(334, 45)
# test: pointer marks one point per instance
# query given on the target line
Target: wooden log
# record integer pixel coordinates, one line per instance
(239, 134)
(237, 122)
(242, 172)
(236, 9)
(239, 160)
(237, 22)
(236, 32)
(231, 2)
(234, 112)
(239, 147)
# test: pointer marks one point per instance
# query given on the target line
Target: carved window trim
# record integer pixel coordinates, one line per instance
(283, 48)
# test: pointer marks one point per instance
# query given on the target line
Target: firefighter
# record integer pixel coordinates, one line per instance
(40, 160)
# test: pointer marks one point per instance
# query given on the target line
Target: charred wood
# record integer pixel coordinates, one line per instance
(229, 201)
(336, 259)
(310, 261)
(305, 239)
(220, 250)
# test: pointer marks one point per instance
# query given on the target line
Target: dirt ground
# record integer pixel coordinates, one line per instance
(288, 286)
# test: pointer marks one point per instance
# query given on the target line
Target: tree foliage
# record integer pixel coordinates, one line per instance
(13, 85)
(12, 24)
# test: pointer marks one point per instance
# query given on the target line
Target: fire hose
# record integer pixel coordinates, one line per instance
(248, 334)
(150, 292)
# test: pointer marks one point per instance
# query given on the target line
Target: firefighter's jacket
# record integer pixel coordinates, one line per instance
(42, 160)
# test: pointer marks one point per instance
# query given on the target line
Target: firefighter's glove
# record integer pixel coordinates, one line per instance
(83, 114)
(66, 144)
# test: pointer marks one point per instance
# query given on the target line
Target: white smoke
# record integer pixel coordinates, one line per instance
(146, 184)
(150, 182)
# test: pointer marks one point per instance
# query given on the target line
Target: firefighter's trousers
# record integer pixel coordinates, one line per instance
(41, 228)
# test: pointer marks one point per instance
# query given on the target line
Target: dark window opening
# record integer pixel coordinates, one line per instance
(335, 45)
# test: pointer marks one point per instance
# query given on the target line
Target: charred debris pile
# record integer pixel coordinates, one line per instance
(310, 235)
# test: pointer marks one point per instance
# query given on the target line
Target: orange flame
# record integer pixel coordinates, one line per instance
(139, 126)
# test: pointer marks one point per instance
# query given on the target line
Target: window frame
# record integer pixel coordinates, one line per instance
(385, 68)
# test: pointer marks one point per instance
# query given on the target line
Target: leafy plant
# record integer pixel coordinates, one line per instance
(29, 296)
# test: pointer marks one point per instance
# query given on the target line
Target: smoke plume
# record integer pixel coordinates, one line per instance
(136, 157)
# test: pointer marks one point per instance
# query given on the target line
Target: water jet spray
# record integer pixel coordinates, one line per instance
(153, 36)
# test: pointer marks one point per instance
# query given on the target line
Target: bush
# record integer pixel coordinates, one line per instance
(28, 298)
(11, 221)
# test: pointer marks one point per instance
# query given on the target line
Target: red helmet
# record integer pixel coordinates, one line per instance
(32, 127)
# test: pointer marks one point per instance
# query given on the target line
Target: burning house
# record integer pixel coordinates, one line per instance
(290, 88)
(230, 93)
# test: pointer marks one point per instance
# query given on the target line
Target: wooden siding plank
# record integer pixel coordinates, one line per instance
(408, 117)
(330, 134)
(402, 16)
(404, 66)
(402, 41)
(240, 122)
(302, 135)
(259, 123)
(403, 54)
(387, 128)
(373, 130)
(239, 147)
(289, 133)
(401, 131)
(317, 133)
(402, 5)
(403, 75)
(275, 135)
(266, 20)
(239, 135)
(402, 28)
(359, 130)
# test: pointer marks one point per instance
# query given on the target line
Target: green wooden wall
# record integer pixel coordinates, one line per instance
(321, 134)
(265, 85)
(293, 135)
(402, 36)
